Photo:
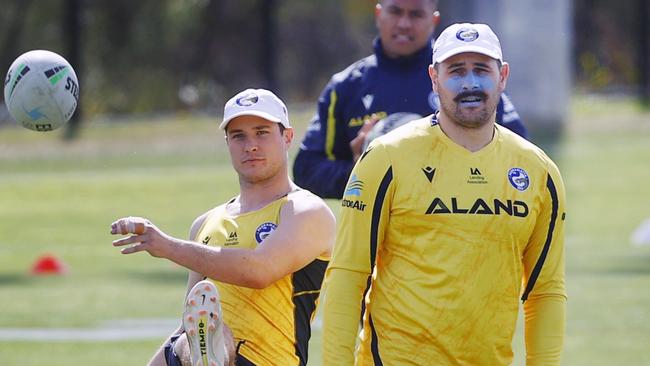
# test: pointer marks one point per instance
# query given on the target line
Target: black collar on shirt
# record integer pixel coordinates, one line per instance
(421, 58)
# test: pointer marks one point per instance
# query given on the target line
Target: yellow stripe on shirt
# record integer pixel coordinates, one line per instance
(331, 127)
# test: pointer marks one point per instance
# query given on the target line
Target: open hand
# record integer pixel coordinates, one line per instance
(147, 236)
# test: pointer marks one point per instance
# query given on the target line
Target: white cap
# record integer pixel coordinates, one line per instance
(255, 102)
(466, 37)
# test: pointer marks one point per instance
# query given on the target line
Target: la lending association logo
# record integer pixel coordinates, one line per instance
(518, 178)
(264, 230)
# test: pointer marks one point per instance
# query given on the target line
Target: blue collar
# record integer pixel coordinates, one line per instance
(421, 58)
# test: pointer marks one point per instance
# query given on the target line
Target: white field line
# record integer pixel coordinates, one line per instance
(110, 331)
(116, 330)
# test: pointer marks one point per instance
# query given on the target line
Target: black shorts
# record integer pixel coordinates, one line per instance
(172, 358)
(170, 355)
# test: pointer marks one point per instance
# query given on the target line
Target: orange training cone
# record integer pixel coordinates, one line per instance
(49, 265)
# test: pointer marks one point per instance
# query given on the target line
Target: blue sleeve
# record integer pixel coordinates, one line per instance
(508, 117)
(323, 177)
(316, 167)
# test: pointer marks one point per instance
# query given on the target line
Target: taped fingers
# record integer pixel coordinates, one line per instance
(129, 225)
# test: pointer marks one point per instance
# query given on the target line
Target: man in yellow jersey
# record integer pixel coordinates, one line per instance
(267, 250)
(454, 219)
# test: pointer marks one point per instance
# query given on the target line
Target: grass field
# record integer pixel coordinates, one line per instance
(60, 198)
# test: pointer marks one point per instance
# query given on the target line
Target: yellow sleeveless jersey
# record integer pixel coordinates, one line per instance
(453, 240)
(271, 326)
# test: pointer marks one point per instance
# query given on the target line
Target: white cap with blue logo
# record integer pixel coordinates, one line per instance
(466, 37)
(256, 102)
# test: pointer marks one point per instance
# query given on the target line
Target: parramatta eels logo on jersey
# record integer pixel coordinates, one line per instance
(518, 178)
(264, 230)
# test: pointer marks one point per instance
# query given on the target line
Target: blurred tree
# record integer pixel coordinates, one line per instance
(13, 18)
(164, 55)
(644, 51)
(606, 45)
(269, 40)
(72, 33)
(317, 39)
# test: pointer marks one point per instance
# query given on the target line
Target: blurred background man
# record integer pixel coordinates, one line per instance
(392, 80)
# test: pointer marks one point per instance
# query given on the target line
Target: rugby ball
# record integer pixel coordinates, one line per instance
(41, 90)
(388, 124)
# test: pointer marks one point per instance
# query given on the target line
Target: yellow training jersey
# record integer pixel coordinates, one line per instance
(271, 326)
(453, 240)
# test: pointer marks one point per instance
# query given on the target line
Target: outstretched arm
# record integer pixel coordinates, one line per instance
(306, 231)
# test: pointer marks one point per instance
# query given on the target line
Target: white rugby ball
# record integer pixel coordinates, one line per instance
(41, 90)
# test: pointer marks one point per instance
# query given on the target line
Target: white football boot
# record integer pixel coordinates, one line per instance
(203, 324)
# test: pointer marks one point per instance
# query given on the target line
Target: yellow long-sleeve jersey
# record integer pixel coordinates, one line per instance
(452, 240)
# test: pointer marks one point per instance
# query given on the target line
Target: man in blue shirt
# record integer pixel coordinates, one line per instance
(392, 80)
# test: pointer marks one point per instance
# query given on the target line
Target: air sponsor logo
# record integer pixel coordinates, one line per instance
(518, 178)
(206, 240)
(355, 204)
(264, 230)
(354, 187)
(478, 207)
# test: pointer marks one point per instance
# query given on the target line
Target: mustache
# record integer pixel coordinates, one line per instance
(467, 94)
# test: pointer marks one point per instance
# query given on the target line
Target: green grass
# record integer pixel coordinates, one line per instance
(60, 198)
(66, 354)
